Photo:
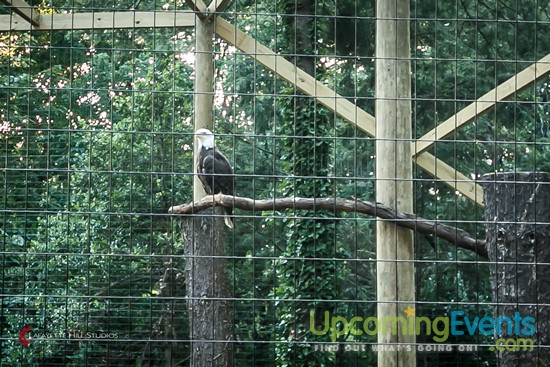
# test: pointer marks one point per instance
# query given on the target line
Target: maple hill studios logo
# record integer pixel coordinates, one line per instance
(25, 338)
(22, 335)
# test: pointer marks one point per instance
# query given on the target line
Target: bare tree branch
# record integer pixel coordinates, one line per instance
(456, 236)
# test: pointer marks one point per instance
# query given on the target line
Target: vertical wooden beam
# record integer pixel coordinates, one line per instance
(210, 320)
(394, 245)
(204, 86)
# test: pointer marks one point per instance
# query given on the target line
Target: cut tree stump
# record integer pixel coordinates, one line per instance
(517, 214)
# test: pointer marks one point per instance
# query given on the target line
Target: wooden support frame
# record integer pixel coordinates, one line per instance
(485, 103)
(453, 178)
(278, 64)
(207, 12)
(101, 20)
(204, 243)
(395, 271)
(339, 105)
(303, 81)
(468, 114)
(203, 98)
(217, 6)
(24, 10)
(198, 7)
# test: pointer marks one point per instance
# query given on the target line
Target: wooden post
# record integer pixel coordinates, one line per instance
(210, 320)
(517, 211)
(394, 245)
(203, 106)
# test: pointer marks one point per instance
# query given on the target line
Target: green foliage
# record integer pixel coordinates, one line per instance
(93, 151)
(308, 153)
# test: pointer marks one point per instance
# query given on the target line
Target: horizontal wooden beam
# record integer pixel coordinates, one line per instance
(485, 103)
(101, 20)
(339, 105)
(24, 10)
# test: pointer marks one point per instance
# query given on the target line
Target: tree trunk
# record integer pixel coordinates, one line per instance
(303, 278)
(517, 210)
(171, 324)
(210, 322)
(300, 42)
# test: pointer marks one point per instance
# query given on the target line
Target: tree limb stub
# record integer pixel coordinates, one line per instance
(456, 236)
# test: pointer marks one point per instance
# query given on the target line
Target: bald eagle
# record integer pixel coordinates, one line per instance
(214, 170)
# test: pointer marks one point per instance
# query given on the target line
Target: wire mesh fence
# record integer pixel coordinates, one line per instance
(97, 129)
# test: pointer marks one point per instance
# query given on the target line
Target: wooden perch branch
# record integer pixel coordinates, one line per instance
(457, 236)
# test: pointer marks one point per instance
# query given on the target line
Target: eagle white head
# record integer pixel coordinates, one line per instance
(205, 138)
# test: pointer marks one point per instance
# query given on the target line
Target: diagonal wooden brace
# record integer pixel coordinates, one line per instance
(24, 10)
(207, 12)
(198, 7)
(217, 6)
